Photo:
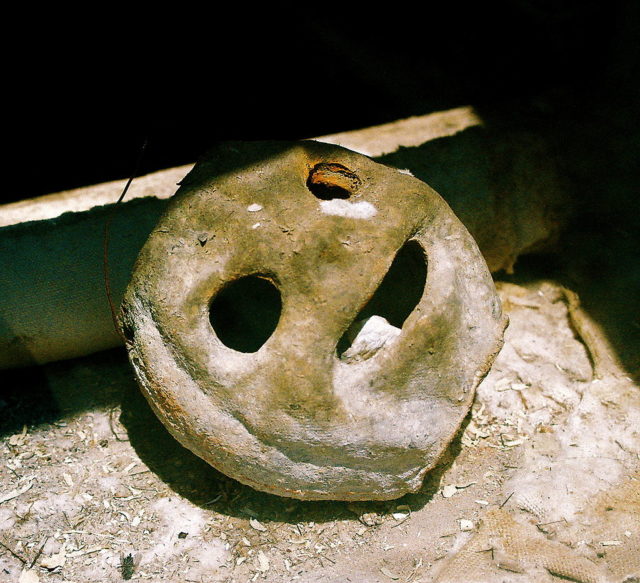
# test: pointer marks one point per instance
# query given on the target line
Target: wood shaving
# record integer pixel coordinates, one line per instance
(449, 491)
(17, 492)
(263, 562)
(255, 524)
(389, 573)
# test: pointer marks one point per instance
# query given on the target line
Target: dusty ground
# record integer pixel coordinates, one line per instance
(94, 488)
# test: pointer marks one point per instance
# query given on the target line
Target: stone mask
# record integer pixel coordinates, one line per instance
(310, 322)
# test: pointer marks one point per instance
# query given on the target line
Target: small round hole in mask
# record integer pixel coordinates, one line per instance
(329, 180)
(245, 313)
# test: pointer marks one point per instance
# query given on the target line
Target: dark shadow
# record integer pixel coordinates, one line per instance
(25, 399)
(457, 167)
(37, 395)
(595, 145)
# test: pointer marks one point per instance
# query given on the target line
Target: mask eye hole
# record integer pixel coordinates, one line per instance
(329, 180)
(385, 313)
(245, 313)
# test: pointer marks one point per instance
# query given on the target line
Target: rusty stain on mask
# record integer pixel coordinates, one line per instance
(326, 339)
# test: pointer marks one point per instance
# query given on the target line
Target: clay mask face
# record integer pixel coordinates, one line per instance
(310, 322)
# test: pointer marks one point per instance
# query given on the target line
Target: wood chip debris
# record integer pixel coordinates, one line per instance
(82, 552)
(29, 576)
(508, 385)
(19, 438)
(17, 491)
(449, 490)
(402, 512)
(129, 467)
(493, 432)
(255, 524)
(54, 561)
(263, 562)
(371, 519)
(389, 573)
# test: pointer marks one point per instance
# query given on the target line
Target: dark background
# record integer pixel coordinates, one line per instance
(85, 89)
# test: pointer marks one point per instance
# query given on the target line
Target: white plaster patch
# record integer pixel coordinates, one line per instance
(351, 210)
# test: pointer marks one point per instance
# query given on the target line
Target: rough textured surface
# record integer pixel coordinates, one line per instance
(329, 229)
(557, 396)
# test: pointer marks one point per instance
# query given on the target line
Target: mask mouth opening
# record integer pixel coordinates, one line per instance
(245, 312)
(380, 321)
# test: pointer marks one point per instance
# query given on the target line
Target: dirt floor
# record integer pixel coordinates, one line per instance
(95, 489)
